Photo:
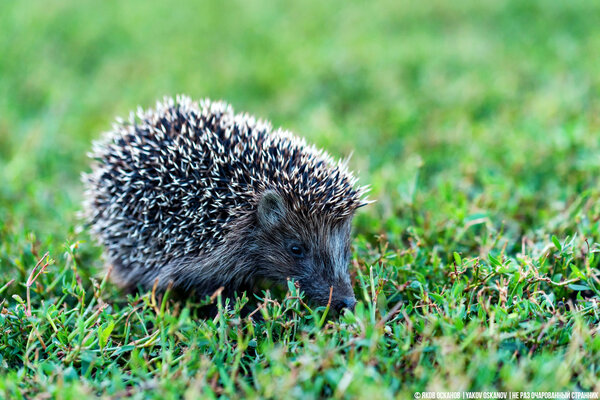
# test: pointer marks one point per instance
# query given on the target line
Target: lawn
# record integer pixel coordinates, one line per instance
(477, 125)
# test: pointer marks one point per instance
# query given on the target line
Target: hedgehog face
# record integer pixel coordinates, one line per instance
(314, 252)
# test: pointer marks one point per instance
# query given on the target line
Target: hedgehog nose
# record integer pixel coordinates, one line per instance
(346, 302)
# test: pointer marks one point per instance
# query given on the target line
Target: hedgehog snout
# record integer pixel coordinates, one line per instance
(339, 293)
(346, 302)
(343, 295)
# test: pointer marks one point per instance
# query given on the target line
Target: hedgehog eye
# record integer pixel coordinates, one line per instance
(297, 251)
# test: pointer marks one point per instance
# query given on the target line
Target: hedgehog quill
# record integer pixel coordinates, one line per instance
(192, 195)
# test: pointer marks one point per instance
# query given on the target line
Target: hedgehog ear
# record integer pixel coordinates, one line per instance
(270, 209)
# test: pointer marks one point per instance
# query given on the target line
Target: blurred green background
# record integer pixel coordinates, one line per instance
(477, 124)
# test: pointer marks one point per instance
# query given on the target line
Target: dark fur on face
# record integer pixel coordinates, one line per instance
(313, 252)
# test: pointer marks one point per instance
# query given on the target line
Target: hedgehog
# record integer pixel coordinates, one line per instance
(191, 196)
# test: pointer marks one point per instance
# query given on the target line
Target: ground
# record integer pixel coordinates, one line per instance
(475, 123)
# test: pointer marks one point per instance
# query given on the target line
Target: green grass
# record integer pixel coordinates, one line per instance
(476, 123)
